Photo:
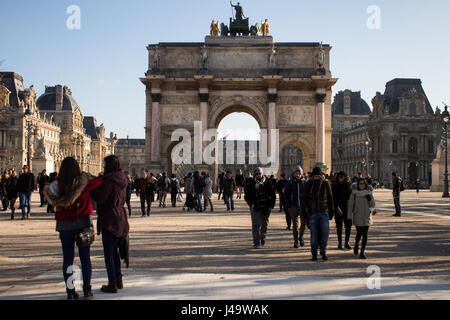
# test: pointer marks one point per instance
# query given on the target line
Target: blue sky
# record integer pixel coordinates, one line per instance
(102, 62)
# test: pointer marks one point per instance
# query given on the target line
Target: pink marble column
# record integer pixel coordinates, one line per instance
(156, 128)
(272, 118)
(320, 127)
(204, 98)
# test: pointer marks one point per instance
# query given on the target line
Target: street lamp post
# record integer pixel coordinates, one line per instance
(29, 128)
(445, 117)
(367, 157)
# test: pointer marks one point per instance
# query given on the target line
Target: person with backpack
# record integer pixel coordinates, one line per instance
(360, 208)
(319, 211)
(295, 203)
(174, 189)
(163, 187)
(397, 187)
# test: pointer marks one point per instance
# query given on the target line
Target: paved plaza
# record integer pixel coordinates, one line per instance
(180, 255)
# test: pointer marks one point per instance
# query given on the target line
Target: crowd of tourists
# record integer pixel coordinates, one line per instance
(308, 200)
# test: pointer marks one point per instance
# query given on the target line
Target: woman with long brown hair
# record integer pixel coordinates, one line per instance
(69, 195)
(112, 220)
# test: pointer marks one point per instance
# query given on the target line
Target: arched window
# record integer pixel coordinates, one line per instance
(412, 145)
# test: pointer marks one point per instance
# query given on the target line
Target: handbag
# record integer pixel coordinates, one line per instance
(179, 197)
(86, 237)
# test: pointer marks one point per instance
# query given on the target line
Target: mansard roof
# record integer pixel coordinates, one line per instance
(398, 87)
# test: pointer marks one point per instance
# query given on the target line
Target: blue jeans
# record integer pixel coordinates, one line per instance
(25, 200)
(198, 197)
(229, 199)
(319, 222)
(112, 258)
(68, 248)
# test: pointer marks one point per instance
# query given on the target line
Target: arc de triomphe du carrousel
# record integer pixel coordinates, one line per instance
(284, 86)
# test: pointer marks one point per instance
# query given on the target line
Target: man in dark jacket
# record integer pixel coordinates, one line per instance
(396, 189)
(141, 191)
(341, 194)
(229, 185)
(295, 201)
(319, 210)
(260, 197)
(3, 196)
(25, 186)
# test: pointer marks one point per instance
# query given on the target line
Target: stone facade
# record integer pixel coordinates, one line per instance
(131, 153)
(403, 133)
(286, 91)
(59, 129)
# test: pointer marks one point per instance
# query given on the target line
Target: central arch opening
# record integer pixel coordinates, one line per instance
(239, 137)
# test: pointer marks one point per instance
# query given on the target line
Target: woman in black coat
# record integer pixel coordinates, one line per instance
(11, 192)
(341, 194)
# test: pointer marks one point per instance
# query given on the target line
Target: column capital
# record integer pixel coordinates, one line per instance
(321, 97)
(204, 96)
(272, 97)
(156, 96)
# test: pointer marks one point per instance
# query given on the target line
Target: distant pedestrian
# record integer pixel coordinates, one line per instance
(260, 197)
(42, 181)
(207, 192)
(320, 209)
(141, 191)
(418, 185)
(397, 188)
(163, 188)
(229, 187)
(360, 207)
(112, 222)
(197, 185)
(239, 183)
(128, 192)
(25, 186)
(12, 192)
(341, 194)
(51, 178)
(3, 195)
(296, 205)
(174, 189)
(220, 184)
(69, 195)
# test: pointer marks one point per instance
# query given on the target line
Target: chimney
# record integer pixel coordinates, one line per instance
(59, 97)
(347, 101)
